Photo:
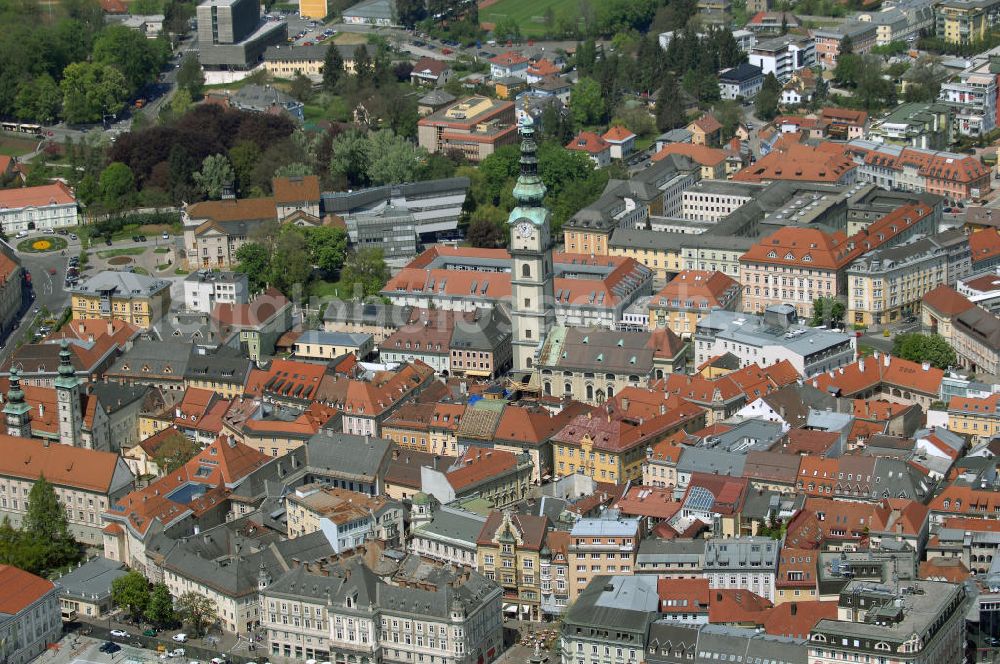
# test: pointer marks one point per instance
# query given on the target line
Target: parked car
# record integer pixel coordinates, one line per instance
(49, 231)
(72, 236)
(149, 632)
(142, 238)
(107, 241)
(176, 652)
(110, 647)
(62, 231)
(166, 236)
(180, 638)
(120, 633)
(21, 234)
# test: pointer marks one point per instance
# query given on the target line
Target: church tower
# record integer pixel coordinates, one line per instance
(533, 301)
(16, 412)
(68, 399)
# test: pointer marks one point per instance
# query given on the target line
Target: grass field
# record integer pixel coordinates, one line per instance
(529, 14)
(350, 38)
(15, 147)
(125, 251)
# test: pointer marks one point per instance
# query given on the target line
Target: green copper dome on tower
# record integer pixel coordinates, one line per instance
(65, 360)
(529, 191)
(15, 395)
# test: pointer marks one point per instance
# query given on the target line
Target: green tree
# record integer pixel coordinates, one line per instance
(327, 247)
(254, 260)
(364, 68)
(848, 69)
(181, 102)
(160, 609)
(487, 227)
(91, 91)
(365, 270)
(296, 169)
(918, 347)
(174, 452)
(827, 311)
(290, 266)
(39, 99)
(215, 175)
(131, 592)
(507, 29)
(136, 56)
(45, 523)
(410, 12)
(766, 103)
(244, 157)
(669, 109)
(117, 185)
(197, 611)
(586, 102)
(349, 157)
(392, 159)
(190, 76)
(333, 68)
(301, 88)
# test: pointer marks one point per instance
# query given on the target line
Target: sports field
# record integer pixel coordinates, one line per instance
(529, 14)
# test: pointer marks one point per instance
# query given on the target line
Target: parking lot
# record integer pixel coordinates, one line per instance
(303, 32)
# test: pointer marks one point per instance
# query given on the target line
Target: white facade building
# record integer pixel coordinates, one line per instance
(204, 289)
(29, 209)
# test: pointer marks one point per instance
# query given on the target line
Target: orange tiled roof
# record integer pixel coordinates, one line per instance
(649, 502)
(867, 373)
(689, 596)
(984, 244)
(543, 68)
(41, 196)
(608, 431)
(509, 59)
(946, 300)
(618, 134)
(221, 465)
(20, 589)
(797, 162)
(701, 154)
(588, 141)
(796, 619)
(62, 465)
(697, 288)
(952, 570)
(478, 464)
(707, 123)
(737, 607)
(296, 189)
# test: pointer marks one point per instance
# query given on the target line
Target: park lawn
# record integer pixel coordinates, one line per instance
(125, 251)
(528, 14)
(16, 147)
(350, 38)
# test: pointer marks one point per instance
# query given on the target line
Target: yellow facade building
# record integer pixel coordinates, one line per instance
(965, 21)
(977, 418)
(125, 296)
(887, 285)
(508, 551)
(664, 259)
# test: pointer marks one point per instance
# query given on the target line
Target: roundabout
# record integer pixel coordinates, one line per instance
(41, 245)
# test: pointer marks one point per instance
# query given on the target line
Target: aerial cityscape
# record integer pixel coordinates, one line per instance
(499, 331)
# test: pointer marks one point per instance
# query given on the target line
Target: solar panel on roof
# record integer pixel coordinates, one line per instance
(700, 499)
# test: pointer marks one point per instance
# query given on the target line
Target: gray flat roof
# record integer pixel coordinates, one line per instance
(91, 580)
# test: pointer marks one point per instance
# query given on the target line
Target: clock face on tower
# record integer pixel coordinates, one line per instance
(63, 395)
(524, 229)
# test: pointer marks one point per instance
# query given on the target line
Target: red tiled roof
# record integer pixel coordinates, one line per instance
(543, 68)
(737, 607)
(690, 596)
(220, 465)
(707, 123)
(40, 196)
(430, 66)
(20, 589)
(649, 502)
(809, 441)
(952, 570)
(984, 245)
(617, 134)
(798, 162)
(698, 289)
(285, 377)
(478, 464)
(588, 141)
(966, 500)
(608, 431)
(946, 300)
(867, 373)
(531, 529)
(701, 154)
(509, 59)
(796, 619)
